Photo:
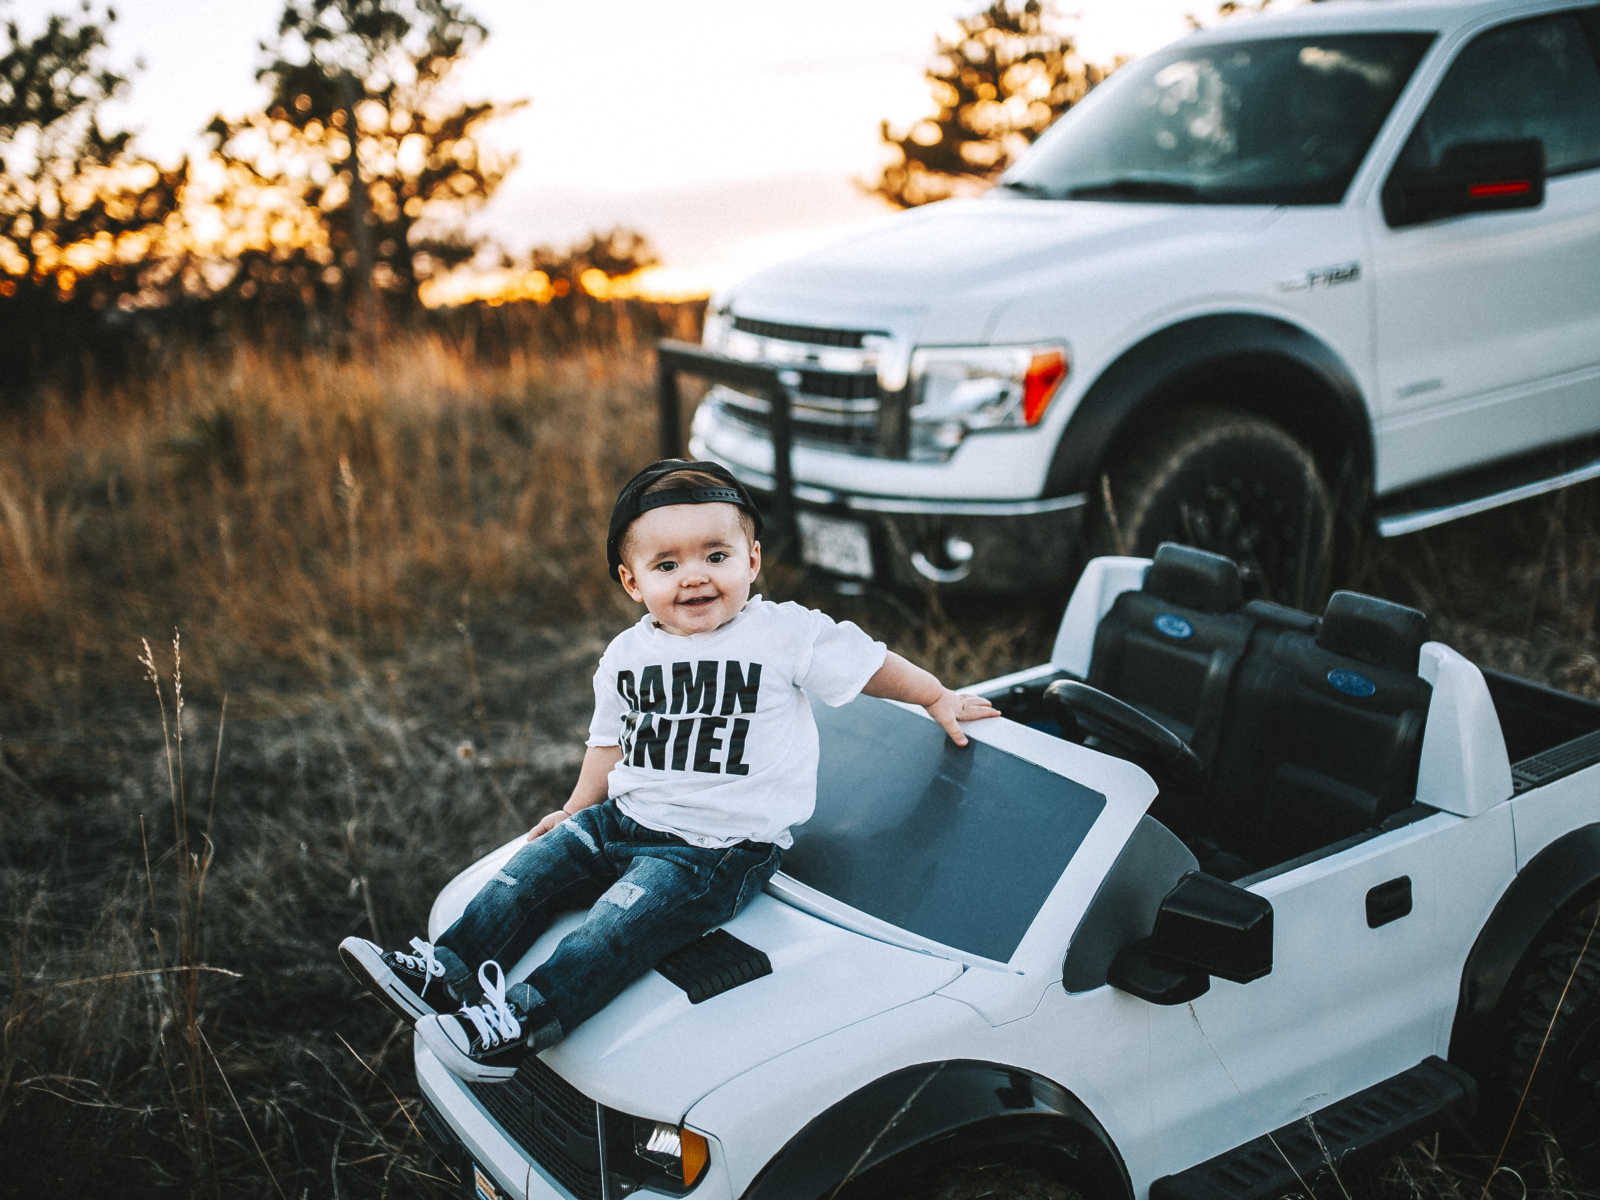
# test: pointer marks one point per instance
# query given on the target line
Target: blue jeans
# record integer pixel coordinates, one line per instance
(648, 893)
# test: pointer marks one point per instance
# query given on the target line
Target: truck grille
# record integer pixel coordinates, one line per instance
(834, 402)
(810, 334)
(557, 1125)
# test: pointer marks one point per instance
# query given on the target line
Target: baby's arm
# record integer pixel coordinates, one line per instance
(900, 679)
(590, 788)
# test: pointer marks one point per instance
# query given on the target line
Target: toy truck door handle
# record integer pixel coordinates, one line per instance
(1205, 926)
(1389, 902)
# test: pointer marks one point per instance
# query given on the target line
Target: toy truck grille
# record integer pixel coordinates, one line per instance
(554, 1123)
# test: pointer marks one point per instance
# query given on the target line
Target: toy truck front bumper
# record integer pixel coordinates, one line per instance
(491, 1166)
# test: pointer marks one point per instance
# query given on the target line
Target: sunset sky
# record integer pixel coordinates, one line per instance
(731, 133)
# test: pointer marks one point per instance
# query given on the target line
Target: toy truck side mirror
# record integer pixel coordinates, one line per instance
(1205, 926)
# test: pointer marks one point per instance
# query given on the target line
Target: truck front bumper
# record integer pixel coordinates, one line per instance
(953, 545)
(898, 541)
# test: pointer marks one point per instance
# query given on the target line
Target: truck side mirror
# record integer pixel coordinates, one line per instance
(1471, 177)
(1205, 926)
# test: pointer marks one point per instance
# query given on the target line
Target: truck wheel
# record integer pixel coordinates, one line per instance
(1565, 1091)
(1228, 482)
(998, 1182)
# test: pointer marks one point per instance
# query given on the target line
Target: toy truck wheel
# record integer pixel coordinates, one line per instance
(1229, 482)
(1560, 1050)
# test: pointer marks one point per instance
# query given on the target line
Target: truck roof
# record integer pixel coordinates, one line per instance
(1373, 16)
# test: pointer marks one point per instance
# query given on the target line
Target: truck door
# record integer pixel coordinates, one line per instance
(1488, 325)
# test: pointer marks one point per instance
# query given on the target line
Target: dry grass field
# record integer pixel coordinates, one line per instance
(288, 640)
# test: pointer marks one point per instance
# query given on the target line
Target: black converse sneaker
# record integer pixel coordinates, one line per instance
(482, 1043)
(399, 979)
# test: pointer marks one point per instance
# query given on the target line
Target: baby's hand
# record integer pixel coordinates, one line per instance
(546, 823)
(952, 707)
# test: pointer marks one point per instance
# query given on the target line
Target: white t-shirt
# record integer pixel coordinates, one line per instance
(718, 743)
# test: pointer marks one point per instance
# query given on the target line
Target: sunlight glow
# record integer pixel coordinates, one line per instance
(745, 98)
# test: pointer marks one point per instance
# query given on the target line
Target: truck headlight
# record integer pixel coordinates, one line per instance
(956, 390)
(716, 327)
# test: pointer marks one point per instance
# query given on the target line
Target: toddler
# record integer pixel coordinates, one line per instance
(702, 754)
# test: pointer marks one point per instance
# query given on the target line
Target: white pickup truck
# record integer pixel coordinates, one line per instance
(1294, 278)
(1231, 896)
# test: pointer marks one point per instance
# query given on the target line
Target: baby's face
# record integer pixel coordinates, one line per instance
(690, 565)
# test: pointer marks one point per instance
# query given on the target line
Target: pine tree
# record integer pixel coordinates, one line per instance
(350, 190)
(82, 218)
(996, 87)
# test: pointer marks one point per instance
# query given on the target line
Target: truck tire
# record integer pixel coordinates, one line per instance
(1564, 1092)
(1002, 1181)
(1229, 482)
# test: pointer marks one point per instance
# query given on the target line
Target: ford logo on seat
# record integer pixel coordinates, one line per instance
(1174, 626)
(1352, 683)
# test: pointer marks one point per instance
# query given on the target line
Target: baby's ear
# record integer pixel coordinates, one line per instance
(629, 583)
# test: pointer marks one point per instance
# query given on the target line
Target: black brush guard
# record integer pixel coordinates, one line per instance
(1022, 551)
(674, 358)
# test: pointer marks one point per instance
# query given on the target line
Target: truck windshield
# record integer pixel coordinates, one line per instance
(960, 846)
(1270, 121)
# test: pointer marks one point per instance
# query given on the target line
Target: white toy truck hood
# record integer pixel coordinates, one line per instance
(652, 1053)
(986, 245)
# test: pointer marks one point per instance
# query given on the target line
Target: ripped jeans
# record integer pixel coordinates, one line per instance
(648, 893)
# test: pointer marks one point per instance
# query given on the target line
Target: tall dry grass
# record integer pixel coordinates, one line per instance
(296, 510)
(1517, 588)
(388, 581)
(359, 554)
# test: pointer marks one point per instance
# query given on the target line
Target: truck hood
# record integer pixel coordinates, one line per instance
(652, 1053)
(987, 243)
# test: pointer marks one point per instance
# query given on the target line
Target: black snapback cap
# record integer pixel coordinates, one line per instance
(632, 502)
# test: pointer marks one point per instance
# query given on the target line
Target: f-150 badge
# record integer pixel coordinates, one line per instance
(1322, 277)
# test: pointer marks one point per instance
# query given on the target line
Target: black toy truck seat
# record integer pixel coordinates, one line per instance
(1170, 648)
(1324, 731)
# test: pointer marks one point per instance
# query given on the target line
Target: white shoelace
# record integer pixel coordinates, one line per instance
(493, 1019)
(423, 961)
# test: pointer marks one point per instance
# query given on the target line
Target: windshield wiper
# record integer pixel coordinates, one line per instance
(1133, 188)
(1027, 187)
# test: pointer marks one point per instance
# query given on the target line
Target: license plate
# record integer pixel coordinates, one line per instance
(483, 1187)
(835, 545)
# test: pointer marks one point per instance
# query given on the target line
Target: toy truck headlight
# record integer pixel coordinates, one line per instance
(654, 1154)
(957, 390)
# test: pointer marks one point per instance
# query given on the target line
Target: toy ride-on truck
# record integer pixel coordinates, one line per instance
(1232, 895)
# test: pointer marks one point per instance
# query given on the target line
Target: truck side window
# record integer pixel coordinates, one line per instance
(1535, 78)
